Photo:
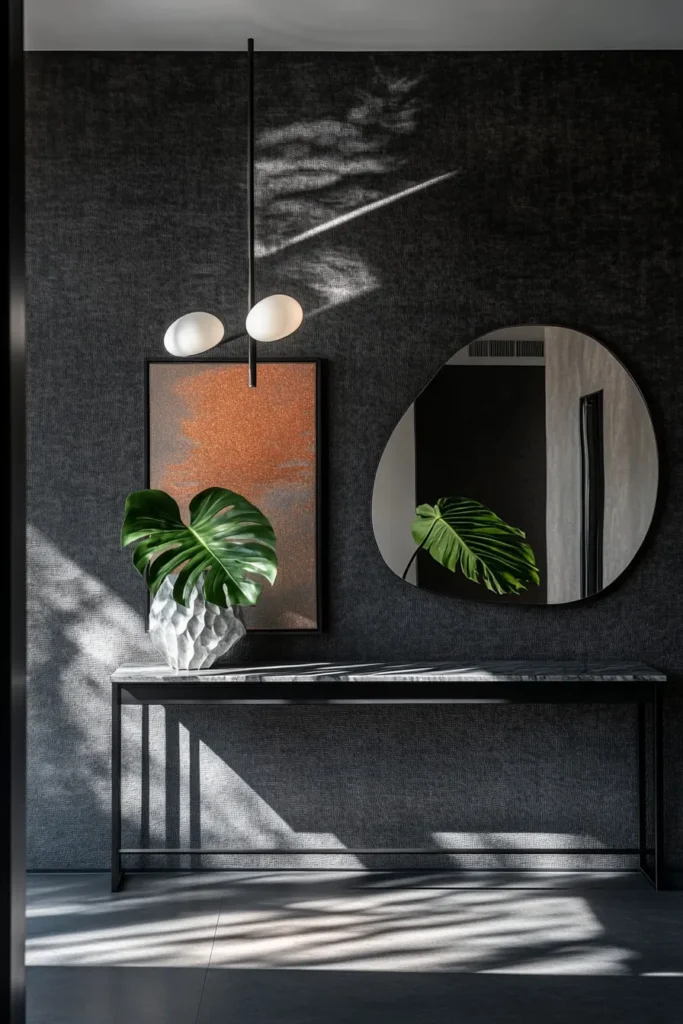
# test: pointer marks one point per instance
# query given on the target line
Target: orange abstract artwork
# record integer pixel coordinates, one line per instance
(207, 428)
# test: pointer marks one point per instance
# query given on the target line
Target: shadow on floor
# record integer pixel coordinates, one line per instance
(153, 995)
(294, 947)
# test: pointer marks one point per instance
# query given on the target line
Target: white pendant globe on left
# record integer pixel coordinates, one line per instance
(193, 333)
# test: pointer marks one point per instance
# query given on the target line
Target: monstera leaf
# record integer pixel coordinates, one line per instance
(461, 532)
(227, 537)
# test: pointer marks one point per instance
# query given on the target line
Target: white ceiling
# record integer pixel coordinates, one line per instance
(354, 24)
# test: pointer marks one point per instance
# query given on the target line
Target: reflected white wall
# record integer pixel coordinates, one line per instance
(577, 365)
(393, 498)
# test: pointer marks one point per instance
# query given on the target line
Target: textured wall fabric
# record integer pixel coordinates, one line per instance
(552, 195)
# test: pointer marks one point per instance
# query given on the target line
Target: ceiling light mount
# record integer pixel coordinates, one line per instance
(251, 240)
(271, 319)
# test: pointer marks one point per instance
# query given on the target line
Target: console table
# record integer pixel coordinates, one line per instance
(411, 683)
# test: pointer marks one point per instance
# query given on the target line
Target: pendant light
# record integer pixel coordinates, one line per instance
(271, 319)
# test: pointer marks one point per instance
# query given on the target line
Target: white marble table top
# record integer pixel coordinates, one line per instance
(378, 671)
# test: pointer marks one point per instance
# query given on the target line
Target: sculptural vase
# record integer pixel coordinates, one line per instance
(194, 636)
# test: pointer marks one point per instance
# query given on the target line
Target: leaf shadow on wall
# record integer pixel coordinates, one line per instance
(320, 180)
(367, 777)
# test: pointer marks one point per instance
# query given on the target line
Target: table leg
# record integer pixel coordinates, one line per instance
(659, 787)
(116, 869)
(642, 789)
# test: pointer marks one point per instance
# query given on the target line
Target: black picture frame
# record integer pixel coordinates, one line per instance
(319, 469)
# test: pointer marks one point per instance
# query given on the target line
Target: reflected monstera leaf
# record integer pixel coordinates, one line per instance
(462, 533)
(226, 538)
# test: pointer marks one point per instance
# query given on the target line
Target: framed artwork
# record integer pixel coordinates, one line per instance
(207, 428)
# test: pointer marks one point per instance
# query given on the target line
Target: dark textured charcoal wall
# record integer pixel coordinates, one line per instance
(564, 207)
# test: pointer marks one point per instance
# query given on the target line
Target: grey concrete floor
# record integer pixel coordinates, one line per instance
(298, 947)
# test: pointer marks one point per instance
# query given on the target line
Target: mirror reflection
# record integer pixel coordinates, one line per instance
(525, 472)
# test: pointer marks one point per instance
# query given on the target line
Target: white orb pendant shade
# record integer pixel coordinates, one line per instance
(193, 333)
(274, 318)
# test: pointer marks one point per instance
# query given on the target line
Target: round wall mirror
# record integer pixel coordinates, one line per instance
(525, 472)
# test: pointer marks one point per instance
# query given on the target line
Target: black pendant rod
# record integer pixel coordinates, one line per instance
(251, 288)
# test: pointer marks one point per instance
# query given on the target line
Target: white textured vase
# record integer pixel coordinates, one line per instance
(195, 636)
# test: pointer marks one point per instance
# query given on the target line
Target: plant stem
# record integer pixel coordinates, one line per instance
(416, 551)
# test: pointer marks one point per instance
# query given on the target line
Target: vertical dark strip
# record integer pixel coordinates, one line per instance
(592, 492)
(642, 785)
(172, 782)
(146, 460)
(251, 286)
(321, 539)
(657, 742)
(195, 796)
(116, 842)
(13, 740)
(144, 777)
(416, 486)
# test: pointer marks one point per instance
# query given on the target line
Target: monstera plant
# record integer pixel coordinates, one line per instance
(462, 533)
(198, 571)
(226, 537)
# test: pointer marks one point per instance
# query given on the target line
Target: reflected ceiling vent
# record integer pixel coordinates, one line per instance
(506, 348)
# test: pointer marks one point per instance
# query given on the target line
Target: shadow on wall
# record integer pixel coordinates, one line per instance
(310, 172)
(286, 778)
(413, 776)
(314, 176)
(80, 630)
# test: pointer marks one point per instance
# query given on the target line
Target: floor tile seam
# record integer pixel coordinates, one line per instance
(208, 966)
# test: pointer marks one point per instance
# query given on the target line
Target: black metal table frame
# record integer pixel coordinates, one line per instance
(639, 693)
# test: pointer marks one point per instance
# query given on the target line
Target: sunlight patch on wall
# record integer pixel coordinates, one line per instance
(71, 611)
(508, 843)
(79, 632)
(334, 274)
(309, 172)
(234, 815)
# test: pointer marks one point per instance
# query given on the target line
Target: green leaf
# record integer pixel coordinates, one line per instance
(226, 538)
(459, 532)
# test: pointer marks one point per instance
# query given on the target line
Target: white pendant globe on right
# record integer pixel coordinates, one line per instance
(274, 318)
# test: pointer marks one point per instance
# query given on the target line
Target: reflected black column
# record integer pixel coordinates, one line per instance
(592, 492)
